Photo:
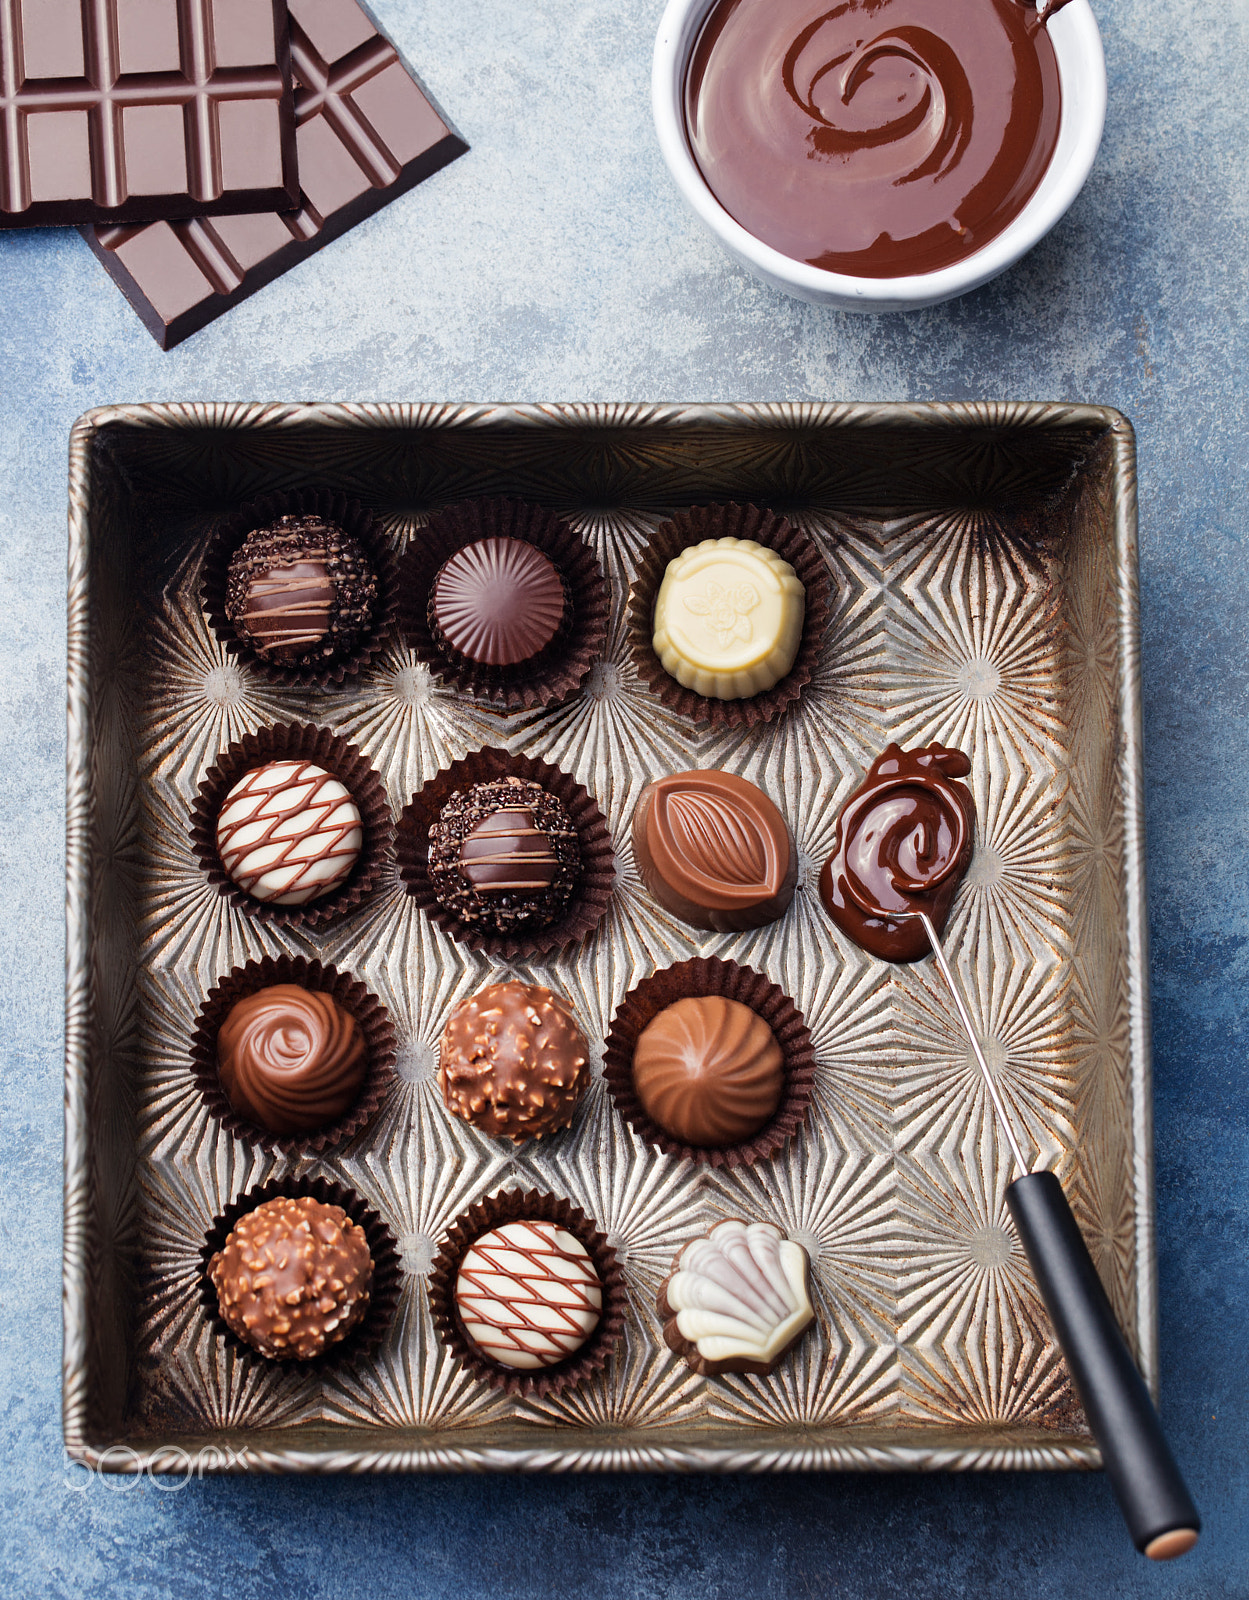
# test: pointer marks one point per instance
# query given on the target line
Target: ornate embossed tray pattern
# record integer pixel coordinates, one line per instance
(985, 568)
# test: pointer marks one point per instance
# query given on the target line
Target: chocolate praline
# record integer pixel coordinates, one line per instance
(903, 842)
(293, 1278)
(714, 850)
(709, 1071)
(738, 1299)
(504, 855)
(527, 1295)
(288, 832)
(290, 1059)
(513, 1061)
(301, 592)
(500, 604)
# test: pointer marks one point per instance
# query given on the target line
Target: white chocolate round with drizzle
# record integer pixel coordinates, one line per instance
(740, 1294)
(528, 1295)
(289, 832)
(728, 618)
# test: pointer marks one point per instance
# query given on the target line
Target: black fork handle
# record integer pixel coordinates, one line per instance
(1156, 1505)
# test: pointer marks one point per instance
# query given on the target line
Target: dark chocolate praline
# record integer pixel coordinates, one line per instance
(504, 855)
(301, 592)
(499, 604)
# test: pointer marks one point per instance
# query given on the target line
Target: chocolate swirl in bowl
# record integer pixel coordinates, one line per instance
(903, 843)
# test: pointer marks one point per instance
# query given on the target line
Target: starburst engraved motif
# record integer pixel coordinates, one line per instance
(979, 598)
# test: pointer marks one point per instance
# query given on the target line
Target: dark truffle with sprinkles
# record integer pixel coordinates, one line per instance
(499, 604)
(504, 855)
(301, 592)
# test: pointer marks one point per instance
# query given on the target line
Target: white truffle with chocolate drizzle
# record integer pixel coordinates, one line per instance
(528, 1295)
(289, 832)
(738, 1299)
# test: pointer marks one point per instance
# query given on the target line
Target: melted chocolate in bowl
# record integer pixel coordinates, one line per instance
(877, 138)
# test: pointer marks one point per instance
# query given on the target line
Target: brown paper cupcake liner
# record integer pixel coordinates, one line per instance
(728, 522)
(515, 1205)
(560, 671)
(290, 742)
(702, 976)
(355, 519)
(346, 991)
(593, 890)
(368, 1333)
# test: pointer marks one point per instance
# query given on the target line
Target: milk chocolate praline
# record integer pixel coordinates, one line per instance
(301, 592)
(504, 855)
(903, 842)
(709, 1071)
(290, 1059)
(293, 1278)
(513, 1061)
(714, 850)
(499, 604)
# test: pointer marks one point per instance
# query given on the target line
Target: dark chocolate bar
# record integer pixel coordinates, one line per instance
(366, 133)
(129, 110)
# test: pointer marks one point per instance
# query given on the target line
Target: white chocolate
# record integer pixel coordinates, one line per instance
(288, 832)
(728, 618)
(741, 1293)
(528, 1294)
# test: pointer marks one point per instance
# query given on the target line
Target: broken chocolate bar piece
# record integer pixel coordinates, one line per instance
(366, 133)
(116, 110)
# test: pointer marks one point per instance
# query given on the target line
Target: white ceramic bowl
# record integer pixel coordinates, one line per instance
(1082, 74)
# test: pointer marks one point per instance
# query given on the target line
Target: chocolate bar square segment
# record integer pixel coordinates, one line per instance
(366, 132)
(133, 110)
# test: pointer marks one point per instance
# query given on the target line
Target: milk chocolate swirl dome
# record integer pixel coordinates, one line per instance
(291, 1059)
(903, 843)
(708, 1071)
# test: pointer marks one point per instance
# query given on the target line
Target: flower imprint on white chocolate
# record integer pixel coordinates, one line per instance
(528, 1295)
(737, 1299)
(727, 611)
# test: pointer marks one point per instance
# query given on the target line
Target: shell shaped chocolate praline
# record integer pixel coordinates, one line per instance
(709, 1071)
(301, 592)
(504, 855)
(738, 1299)
(714, 850)
(499, 604)
(291, 1059)
(903, 842)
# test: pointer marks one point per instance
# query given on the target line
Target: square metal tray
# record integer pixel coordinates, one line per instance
(985, 566)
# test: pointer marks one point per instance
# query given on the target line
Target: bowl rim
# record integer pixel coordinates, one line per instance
(1081, 61)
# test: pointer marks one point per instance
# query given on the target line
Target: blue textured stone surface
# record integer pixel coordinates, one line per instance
(557, 262)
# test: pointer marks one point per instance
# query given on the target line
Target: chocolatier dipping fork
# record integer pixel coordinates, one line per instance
(1151, 1493)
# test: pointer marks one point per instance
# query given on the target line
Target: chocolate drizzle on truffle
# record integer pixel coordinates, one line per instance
(290, 1059)
(293, 1278)
(513, 1061)
(709, 1071)
(301, 592)
(504, 854)
(903, 843)
(498, 603)
(288, 832)
(527, 1294)
(714, 850)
